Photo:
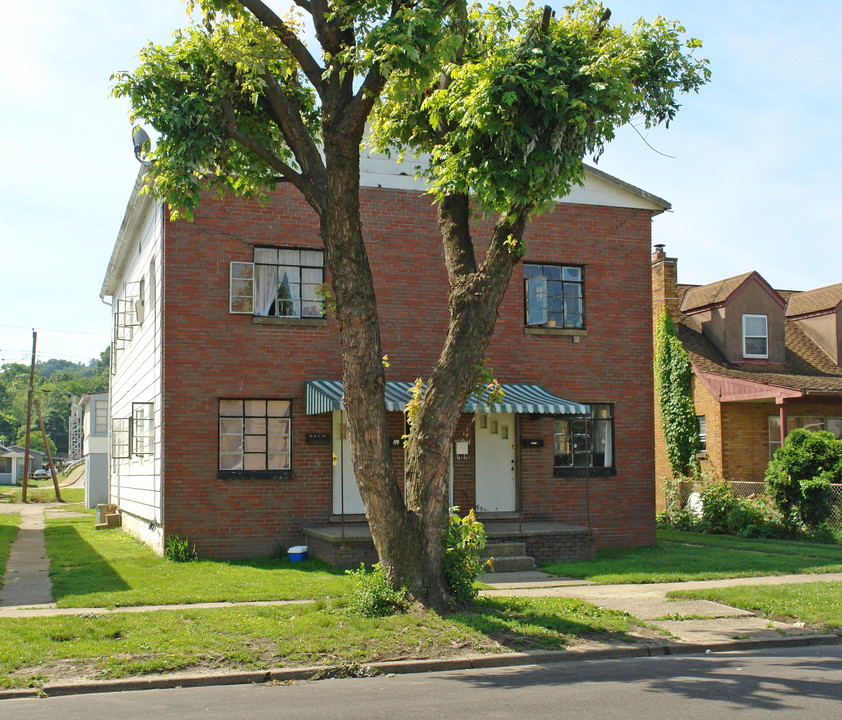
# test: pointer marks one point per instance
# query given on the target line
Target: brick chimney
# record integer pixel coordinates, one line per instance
(664, 283)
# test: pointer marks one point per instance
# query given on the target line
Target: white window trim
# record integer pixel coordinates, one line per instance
(765, 336)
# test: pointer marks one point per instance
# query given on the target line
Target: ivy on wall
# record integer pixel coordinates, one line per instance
(673, 376)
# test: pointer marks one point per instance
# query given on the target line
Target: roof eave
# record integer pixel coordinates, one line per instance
(136, 209)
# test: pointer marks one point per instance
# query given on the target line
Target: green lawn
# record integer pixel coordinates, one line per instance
(109, 568)
(8, 533)
(44, 492)
(122, 644)
(697, 556)
(817, 604)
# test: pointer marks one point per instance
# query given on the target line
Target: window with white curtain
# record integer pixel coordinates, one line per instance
(281, 282)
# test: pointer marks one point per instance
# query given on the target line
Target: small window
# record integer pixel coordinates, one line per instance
(755, 337)
(701, 426)
(120, 438)
(554, 296)
(255, 438)
(585, 442)
(281, 282)
(100, 424)
(143, 429)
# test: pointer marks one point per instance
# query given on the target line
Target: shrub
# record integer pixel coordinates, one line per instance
(718, 503)
(465, 539)
(178, 549)
(374, 596)
(798, 477)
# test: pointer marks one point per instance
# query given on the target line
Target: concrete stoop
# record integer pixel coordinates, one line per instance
(508, 557)
(108, 516)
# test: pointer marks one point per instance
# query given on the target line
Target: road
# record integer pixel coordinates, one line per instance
(779, 683)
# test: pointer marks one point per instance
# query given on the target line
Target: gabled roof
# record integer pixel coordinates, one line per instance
(815, 302)
(806, 367)
(720, 292)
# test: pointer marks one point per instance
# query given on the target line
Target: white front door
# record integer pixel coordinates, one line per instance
(346, 495)
(496, 484)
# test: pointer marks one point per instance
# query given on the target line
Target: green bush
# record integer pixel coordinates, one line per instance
(374, 596)
(465, 540)
(178, 549)
(718, 503)
(799, 476)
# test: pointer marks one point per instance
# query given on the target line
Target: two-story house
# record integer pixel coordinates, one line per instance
(764, 361)
(227, 418)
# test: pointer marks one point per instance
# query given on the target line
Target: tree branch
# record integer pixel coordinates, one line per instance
(286, 114)
(275, 23)
(233, 130)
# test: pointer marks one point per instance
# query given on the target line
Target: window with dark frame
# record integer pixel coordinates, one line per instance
(281, 282)
(554, 296)
(143, 428)
(121, 438)
(255, 438)
(585, 443)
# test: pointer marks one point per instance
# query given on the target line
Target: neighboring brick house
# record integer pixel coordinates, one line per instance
(765, 362)
(227, 425)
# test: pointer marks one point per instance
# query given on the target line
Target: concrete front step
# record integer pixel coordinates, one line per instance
(505, 549)
(513, 564)
(509, 557)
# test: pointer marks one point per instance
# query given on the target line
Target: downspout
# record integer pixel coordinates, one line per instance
(784, 417)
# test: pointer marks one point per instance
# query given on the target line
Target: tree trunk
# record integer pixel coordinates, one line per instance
(408, 535)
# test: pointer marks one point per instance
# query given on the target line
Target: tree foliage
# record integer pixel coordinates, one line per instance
(505, 102)
(55, 381)
(673, 388)
(510, 118)
(799, 476)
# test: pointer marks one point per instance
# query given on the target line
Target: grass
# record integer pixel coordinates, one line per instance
(696, 556)
(8, 533)
(816, 604)
(109, 568)
(44, 492)
(122, 644)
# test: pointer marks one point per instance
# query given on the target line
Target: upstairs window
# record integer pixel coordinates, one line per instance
(100, 423)
(755, 337)
(281, 282)
(554, 296)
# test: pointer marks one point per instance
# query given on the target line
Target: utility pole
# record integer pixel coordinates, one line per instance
(28, 418)
(49, 454)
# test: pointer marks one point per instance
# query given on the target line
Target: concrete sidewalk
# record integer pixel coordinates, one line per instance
(693, 622)
(27, 579)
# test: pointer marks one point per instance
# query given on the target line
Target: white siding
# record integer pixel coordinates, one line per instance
(135, 483)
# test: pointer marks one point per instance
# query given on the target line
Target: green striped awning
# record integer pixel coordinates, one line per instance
(326, 395)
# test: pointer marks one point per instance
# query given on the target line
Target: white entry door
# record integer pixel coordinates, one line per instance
(346, 495)
(496, 484)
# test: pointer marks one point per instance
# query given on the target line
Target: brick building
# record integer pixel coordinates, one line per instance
(226, 399)
(765, 362)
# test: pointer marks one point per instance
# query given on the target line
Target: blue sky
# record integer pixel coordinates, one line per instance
(753, 172)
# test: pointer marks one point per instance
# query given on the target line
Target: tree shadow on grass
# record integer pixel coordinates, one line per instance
(520, 625)
(82, 570)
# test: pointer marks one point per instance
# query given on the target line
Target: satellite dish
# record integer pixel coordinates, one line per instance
(140, 139)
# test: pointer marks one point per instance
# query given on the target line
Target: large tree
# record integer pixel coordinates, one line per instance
(506, 103)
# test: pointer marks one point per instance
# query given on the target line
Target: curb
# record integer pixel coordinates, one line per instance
(406, 667)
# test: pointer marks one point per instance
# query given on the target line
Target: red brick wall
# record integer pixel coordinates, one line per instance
(209, 353)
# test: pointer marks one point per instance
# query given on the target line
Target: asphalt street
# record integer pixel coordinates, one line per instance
(780, 683)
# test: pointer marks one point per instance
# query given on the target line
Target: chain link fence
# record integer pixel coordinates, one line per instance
(758, 490)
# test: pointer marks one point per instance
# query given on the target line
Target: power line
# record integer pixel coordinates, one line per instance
(69, 332)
